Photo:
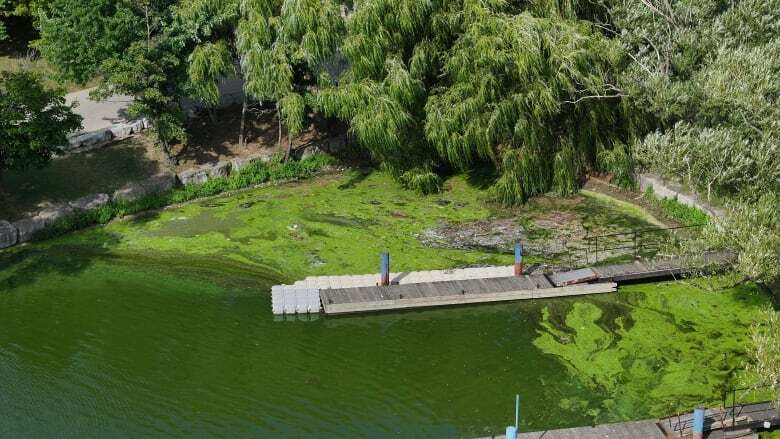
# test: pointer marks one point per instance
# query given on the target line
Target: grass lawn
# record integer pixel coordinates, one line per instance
(74, 176)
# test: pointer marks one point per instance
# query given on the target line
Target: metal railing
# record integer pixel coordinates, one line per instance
(590, 250)
(742, 413)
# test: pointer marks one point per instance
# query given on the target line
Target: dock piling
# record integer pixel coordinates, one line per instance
(698, 423)
(384, 267)
(518, 259)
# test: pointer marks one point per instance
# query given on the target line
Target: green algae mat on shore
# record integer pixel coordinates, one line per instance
(160, 325)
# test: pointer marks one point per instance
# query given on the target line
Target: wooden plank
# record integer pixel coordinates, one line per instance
(573, 277)
(450, 295)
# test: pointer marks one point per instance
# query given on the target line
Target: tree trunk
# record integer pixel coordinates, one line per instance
(289, 147)
(166, 148)
(241, 139)
(279, 118)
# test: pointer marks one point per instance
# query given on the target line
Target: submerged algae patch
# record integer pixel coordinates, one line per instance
(682, 346)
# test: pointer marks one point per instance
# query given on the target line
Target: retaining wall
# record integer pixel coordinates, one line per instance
(668, 189)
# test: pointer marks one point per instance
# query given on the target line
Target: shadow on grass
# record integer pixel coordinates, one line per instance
(74, 176)
(356, 177)
(482, 177)
(26, 265)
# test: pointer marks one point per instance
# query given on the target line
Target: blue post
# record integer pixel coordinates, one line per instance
(385, 269)
(511, 431)
(518, 259)
(698, 423)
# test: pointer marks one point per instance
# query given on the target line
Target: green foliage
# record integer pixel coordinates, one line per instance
(155, 74)
(706, 75)
(684, 214)
(619, 162)
(77, 36)
(34, 121)
(751, 228)
(565, 171)
(253, 174)
(421, 180)
(448, 84)
(208, 63)
(765, 352)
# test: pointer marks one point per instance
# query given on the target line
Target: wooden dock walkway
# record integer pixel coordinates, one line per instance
(361, 293)
(739, 421)
(381, 298)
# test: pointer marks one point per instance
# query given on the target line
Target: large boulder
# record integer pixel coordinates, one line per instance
(136, 126)
(51, 215)
(193, 176)
(154, 184)
(221, 169)
(28, 227)
(240, 163)
(91, 140)
(90, 202)
(121, 131)
(9, 235)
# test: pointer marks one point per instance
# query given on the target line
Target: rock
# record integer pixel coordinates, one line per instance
(136, 126)
(239, 163)
(91, 140)
(160, 182)
(90, 202)
(221, 169)
(51, 215)
(28, 227)
(193, 176)
(9, 235)
(154, 184)
(121, 131)
(310, 151)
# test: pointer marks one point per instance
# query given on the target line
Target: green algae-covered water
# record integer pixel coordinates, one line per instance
(161, 326)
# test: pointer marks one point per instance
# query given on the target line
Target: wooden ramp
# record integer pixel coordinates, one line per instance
(381, 298)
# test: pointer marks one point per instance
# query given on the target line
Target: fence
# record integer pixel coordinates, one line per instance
(599, 248)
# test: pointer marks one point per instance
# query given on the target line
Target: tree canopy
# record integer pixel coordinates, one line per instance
(34, 121)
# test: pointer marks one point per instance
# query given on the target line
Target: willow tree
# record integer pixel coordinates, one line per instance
(394, 49)
(446, 84)
(529, 94)
(281, 44)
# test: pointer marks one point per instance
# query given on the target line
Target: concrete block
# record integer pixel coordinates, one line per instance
(9, 235)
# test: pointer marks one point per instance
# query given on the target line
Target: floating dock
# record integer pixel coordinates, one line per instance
(420, 289)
